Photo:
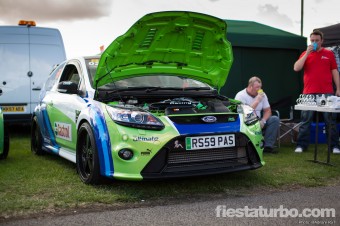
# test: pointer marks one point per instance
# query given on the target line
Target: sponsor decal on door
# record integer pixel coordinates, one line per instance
(63, 130)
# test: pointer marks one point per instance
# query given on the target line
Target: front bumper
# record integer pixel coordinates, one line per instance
(171, 162)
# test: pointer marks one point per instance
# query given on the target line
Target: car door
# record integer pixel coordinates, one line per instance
(64, 107)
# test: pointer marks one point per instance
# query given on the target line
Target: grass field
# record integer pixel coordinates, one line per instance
(31, 184)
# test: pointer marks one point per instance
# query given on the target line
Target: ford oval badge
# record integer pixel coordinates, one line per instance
(209, 119)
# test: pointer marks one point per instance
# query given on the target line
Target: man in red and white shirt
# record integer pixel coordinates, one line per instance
(320, 71)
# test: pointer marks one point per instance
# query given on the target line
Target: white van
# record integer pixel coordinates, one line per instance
(27, 55)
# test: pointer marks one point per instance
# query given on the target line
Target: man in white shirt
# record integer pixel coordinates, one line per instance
(254, 96)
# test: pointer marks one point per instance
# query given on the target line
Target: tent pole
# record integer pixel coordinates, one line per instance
(301, 17)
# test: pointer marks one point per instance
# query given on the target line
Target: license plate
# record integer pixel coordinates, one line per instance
(209, 142)
(13, 108)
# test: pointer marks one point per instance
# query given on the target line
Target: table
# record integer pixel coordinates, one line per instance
(319, 109)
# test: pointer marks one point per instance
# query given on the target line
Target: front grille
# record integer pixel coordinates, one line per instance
(171, 161)
(201, 155)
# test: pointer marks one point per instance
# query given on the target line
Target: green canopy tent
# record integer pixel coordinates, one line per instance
(269, 53)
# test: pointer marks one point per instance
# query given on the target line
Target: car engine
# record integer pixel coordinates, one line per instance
(181, 105)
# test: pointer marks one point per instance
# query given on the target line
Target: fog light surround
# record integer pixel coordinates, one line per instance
(125, 154)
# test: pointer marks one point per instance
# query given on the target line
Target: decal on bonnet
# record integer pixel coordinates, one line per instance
(141, 138)
(77, 115)
(209, 119)
(63, 130)
(231, 119)
(177, 144)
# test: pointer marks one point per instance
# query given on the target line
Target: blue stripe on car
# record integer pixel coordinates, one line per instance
(102, 140)
(47, 125)
(46, 130)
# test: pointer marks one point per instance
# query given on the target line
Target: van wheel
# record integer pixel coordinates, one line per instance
(36, 138)
(87, 156)
(6, 144)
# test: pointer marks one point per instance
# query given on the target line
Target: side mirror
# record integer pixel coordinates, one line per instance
(68, 87)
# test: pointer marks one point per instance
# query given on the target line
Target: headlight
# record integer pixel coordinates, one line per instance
(249, 114)
(134, 117)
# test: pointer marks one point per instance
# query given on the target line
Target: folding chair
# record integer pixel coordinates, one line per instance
(288, 125)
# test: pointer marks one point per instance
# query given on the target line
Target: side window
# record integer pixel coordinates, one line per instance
(52, 80)
(54, 76)
(71, 74)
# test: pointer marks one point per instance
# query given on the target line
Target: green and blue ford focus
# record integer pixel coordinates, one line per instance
(149, 106)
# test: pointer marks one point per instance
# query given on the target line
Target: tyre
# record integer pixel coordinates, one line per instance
(87, 156)
(6, 144)
(36, 138)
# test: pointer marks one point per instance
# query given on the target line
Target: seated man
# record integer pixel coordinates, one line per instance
(254, 96)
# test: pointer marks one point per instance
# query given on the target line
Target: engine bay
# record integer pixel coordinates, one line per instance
(178, 105)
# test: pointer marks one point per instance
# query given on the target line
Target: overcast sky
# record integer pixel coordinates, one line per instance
(87, 24)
